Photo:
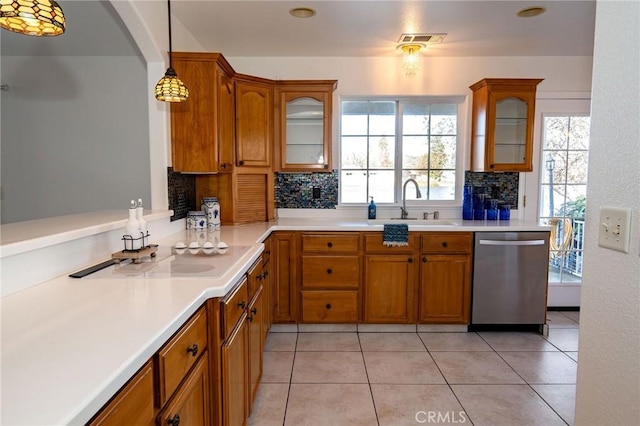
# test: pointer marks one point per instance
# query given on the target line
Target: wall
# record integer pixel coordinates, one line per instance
(608, 387)
(74, 136)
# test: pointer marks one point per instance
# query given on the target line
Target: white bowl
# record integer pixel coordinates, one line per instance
(223, 245)
(210, 250)
(208, 245)
(194, 245)
(180, 245)
(194, 251)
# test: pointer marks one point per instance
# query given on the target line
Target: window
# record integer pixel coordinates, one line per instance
(563, 192)
(384, 142)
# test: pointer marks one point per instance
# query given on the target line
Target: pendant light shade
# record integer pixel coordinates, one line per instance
(32, 17)
(170, 88)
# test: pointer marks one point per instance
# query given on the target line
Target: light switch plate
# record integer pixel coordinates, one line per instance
(615, 227)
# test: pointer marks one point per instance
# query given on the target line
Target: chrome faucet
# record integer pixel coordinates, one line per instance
(403, 209)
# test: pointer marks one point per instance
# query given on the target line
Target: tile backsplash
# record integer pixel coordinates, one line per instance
(502, 186)
(182, 193)
(306, 190)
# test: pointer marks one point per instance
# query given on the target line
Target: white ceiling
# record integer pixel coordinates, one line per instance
(372, 28)
(340, 28)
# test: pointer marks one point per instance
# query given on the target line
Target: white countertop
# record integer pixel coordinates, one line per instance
(69, 344)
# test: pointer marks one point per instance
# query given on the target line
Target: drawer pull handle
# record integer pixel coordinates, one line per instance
(445, 244)
(223, 165)
(328, 306)
(410, 260)
(242, 304)
(259, 277)
(193, 349)
(174, 421)
(329, 271)
(329, 244)
(254, 311)
(265, 274)
(424, 259)
(241, 162)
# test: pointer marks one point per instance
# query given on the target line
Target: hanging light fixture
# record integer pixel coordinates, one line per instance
(170, 88)
(411, 58)
(32, 17)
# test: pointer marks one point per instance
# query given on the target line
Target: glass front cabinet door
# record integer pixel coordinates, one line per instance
(502, 125)
(303, 113)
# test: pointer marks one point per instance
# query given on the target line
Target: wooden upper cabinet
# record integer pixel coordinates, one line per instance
(303, 110)
(502, 125)
(203, 127)
(254, 112)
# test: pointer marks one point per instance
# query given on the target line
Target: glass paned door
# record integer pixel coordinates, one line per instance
(563, 192)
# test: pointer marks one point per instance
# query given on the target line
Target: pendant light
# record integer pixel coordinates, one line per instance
(170, 88)
(32, 17)
(411, 57)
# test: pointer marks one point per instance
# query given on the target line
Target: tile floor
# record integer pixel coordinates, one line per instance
(403, 378)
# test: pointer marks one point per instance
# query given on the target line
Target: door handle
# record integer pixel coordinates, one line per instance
(511, 243)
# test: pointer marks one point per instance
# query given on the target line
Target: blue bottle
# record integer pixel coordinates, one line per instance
(467, 203)
(372, 209)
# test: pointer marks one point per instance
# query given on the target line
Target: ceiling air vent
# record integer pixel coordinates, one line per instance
(421, 38)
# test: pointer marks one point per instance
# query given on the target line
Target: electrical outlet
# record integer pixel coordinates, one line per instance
(615, 227)
(316, 192)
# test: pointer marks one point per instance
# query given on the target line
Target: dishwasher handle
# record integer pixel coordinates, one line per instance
(511, 243)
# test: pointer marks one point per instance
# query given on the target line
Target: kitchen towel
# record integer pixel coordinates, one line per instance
(395, 235)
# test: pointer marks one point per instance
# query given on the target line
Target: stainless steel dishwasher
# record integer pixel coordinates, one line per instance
(510, 278)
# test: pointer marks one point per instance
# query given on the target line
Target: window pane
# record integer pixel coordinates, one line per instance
(442, 185)
(580, 132)
(443, 152)
(444, 119)
(381, 183)
(577, 170)
(381, 152)
(552, 199)
(554, 166)
(415, 119)
(415, 152)
(354, 152)
(354, 124)
(422, 177)
(353, 186)
(575, 203)
(383, 125)
(556, 132)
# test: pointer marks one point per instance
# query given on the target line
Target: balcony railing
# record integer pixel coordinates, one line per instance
(568, 258)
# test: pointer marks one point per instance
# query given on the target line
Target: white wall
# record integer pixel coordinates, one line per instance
(608, 388)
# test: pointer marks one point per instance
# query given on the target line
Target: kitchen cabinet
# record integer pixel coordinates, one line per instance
(503, 115)
(445, 277)
(203, 129)
(330, 277)
(303, 131)
(254, 117)
(389, 281)
(257, 324)
(284, 273)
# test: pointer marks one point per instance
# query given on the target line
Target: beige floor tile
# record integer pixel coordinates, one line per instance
(402, 368)
(281, 342)
(574, 315)
(556, 319)
(475, 368)
(572, 355)
(336, 342)
(454, 342)
(387, 328)
(284, 328)
(327, 328)
(505, 405)
(442, 328)
(330, 405)
(329, 367)
(269, 405)
(390, 342)
(562, 398)
(415, 404)
(564, 339)
(277, 367)
(516, 341)
(542, 367)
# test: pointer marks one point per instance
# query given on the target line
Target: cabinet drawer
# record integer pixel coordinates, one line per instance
(446, 242)
(254, 278)
(330, 306)
(180, 353)
(232, 308)
(373, 243)
(330, 242)
(330, 271)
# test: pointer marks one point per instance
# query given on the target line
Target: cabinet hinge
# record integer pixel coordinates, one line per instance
(524, 201)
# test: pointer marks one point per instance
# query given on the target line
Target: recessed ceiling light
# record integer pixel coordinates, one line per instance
(302, 12)
(530, 12)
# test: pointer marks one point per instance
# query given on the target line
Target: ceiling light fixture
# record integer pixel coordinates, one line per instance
(530, 12)
(411, 57)
(302, 12)
(170, 88)
(32, 17)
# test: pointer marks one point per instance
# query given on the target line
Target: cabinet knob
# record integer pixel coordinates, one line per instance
(410, 260)
(329, 271)
(254, 311)
(241, 162)
(223, 165)
(328, 306)
(445, 244)
(491, 166)
(329, 244)
(265, 274)
(424, 259)
(174, 421)
(259, 277)
(326, 166)
(250, 318)
(193, 349)
(242, 304)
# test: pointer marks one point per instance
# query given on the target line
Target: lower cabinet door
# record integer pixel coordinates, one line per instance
(329, 306)
(445, 289)
(389, 289)
(190, 404)
(256, 343)
(235, 376)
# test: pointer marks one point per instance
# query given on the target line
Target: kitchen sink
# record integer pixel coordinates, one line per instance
(415, 222)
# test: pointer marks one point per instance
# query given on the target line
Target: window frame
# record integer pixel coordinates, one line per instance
(459, 101)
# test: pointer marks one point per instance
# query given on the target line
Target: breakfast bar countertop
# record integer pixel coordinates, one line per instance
(69, 344)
